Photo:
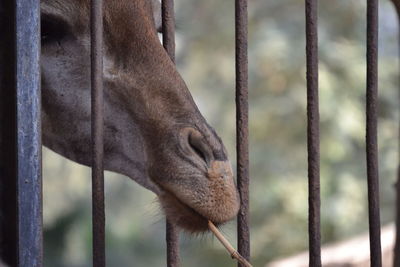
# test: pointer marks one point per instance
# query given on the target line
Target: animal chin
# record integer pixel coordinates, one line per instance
(181, 214)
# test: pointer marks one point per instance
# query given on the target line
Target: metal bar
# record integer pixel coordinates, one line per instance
(371, 137)
(29, 145)
(97, 124)
(8, 147)
(314, 202)
(242, 130)
(396, 258)
(168, 27)
(172, 238)
(168, 30)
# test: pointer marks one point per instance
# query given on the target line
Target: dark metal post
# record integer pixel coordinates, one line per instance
(29, 145)
(98, 217)
(396, 252)
(371, 137)
(314, 201)
(168, 30)
(8, 148)
(172, 238)
(242, 130)
(168, 27)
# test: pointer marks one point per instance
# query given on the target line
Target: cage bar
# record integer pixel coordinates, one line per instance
(168, 27)
(8, 151)
(168, 36)
(242, 130)
(97, 127)
(172, 238)
(28, 133)
(371, 135)
(314, 202)
(396, 258)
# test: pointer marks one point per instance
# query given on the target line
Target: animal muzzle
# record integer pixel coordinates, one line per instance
(215, 199)
(222, 203)
(207, 191)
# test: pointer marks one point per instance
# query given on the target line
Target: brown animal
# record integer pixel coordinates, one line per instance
(154, 132)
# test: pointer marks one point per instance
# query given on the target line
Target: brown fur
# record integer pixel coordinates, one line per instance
(154, 132)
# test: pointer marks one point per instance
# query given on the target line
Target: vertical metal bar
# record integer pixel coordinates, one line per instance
(8, 147)
(396, 252)
(29, 145)
(172, 238)
(168, 30)
(242, 130)
(314, 201)
(396, 258)
(98, 216)
(168, 27)
(371, 137)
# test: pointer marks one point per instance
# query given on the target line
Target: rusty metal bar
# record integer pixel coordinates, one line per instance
(242, 130)
(97, 107)
(396, 258)
(29, 145)
(172, 238)
(314, 201)
(371, 136)
(8, 147)
(168, 27)
(168, 36)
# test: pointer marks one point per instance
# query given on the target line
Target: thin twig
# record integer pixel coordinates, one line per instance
(228, 246)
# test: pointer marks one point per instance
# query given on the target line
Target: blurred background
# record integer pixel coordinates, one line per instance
(277, 94)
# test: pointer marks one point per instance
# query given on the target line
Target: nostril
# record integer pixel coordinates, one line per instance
(198, 147)
(195, 145)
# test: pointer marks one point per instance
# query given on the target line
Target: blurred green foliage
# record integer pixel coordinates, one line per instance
(205, 58)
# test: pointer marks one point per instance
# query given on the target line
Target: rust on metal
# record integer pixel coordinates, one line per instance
(168, 32)
(168, 27)
(97, 124)
(313, 141)
(371, 136)
(396, 258)
(172, 238)
(242, 130)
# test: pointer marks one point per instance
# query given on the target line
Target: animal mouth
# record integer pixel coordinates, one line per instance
(181, 214)
(191, 203)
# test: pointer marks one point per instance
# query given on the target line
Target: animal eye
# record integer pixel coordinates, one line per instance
(52, 29)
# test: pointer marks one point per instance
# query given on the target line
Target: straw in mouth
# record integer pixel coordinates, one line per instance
(228, 246)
